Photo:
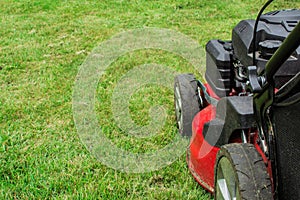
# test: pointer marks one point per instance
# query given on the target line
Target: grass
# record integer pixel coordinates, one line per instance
(43, 44)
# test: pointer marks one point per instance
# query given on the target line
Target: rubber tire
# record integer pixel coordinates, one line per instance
(250, 175)
(188, 91)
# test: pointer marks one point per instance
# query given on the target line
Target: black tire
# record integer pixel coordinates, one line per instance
(186, 100)
(241, 172)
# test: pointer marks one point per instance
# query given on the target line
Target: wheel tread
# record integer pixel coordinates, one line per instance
(187, 85)
(250, 169)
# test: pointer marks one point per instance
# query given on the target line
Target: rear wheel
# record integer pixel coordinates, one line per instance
(240, 173)
(186, 100)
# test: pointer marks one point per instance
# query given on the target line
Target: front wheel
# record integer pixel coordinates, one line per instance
(240, 173)
(186, 100)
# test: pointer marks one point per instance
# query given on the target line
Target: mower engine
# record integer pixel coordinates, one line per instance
(226, 61)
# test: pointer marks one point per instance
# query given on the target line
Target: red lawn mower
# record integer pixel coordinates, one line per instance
(244, 123)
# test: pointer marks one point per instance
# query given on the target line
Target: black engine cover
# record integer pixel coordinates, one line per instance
(273, 27)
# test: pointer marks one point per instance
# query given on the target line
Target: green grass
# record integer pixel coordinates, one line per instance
(42, 45)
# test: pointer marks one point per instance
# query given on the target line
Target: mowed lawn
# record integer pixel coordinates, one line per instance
(42, 46)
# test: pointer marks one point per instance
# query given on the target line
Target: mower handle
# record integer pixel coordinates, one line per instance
(290, 44)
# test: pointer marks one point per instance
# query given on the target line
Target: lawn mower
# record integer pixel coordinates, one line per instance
(244, 121)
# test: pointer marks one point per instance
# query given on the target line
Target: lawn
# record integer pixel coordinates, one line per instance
(43, 46)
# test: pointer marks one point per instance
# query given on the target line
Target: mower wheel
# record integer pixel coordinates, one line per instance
(240, 173)
(186, 102)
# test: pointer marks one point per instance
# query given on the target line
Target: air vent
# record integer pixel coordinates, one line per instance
(273, 13)
(280, 16)
(290, 25)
